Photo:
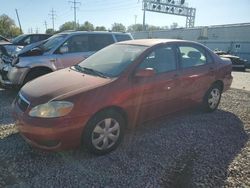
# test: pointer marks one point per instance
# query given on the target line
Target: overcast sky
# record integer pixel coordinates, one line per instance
(33, 13)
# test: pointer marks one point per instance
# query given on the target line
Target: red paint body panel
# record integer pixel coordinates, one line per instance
(140, 98)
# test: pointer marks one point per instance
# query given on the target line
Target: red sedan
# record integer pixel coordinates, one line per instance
(120, 86)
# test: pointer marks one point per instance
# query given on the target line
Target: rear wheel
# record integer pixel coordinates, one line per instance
(104, 132)
(212, 98)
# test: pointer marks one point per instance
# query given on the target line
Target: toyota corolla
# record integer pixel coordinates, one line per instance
(122, 85)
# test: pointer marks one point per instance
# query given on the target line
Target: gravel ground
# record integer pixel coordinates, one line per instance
(190, 149)
(241, 80)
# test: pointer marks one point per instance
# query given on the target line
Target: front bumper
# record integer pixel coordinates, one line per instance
(227, 82)
(51, 134)
(12, 76)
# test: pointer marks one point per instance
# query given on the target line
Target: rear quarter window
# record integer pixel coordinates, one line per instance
(120, 37)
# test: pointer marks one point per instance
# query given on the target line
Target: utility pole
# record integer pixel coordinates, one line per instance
(52, 14)
(75, 3)
(45, 24)
(144, 14)
(135, 19)
(19, 21)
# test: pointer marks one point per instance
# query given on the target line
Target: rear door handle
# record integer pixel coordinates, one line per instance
(176, 75)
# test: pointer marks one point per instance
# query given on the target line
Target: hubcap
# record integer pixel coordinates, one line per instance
(214, 98)
(105, 134)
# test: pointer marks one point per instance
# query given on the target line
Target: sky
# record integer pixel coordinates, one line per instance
(34, 13)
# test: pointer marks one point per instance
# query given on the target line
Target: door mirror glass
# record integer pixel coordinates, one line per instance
(35, 52)
(148, 72)
(64, 49)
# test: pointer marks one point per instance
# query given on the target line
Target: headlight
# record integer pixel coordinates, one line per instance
(52, 109)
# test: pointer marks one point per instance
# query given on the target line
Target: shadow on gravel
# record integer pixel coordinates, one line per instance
(6, 98)
(191, 149)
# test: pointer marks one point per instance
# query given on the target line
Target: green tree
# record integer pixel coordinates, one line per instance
(8, 27)
(49, 31)
(15, 31)
(100, 28)
(174, 25)
(153, 28)
(118, 27)
(87, 26)
(164, 27)
(67, 26)
(135, 27)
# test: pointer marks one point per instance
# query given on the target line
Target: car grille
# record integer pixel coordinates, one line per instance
(22, 102)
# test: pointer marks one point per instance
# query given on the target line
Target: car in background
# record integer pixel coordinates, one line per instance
(60, 51)
(120, 86)
(237, 62)
(11, 47)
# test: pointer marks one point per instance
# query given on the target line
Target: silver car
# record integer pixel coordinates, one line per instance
(59, 51)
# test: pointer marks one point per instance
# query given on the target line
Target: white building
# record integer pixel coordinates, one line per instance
(234, 38)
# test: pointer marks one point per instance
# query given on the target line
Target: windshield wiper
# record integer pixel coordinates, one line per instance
(90, 71)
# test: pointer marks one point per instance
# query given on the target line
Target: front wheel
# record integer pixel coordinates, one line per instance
(104, 132)
(212, 98)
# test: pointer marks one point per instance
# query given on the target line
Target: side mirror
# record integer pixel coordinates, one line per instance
(35, 52)
(63, 50)
(148, 72)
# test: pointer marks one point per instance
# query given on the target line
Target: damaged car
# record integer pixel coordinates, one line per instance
(59, 51)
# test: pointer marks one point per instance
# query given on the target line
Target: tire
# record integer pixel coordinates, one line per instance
(34, 74)
(212, 98)
(104, 132)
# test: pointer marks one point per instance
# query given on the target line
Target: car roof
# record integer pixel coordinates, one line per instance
(91, 32)
(152, 42)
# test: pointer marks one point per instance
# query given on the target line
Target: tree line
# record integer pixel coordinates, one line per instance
(117, 27)
(9, 29)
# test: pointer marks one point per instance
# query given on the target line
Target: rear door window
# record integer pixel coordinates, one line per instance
(192, 56)
(162, 60)
(35, 38)
(99, 41)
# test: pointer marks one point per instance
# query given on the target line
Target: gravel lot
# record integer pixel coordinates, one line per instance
(190, 149)
(241, 80)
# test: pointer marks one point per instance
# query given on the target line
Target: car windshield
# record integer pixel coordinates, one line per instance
(52, 42)
(18, 39)
(112, 60)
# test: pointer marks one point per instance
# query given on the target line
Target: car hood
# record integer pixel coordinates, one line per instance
(60, 84)
(27, 49)
(4, 43)
(12, 49)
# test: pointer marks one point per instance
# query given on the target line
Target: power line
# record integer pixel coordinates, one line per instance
(52, 14)
(75, 3)
(110, 8)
